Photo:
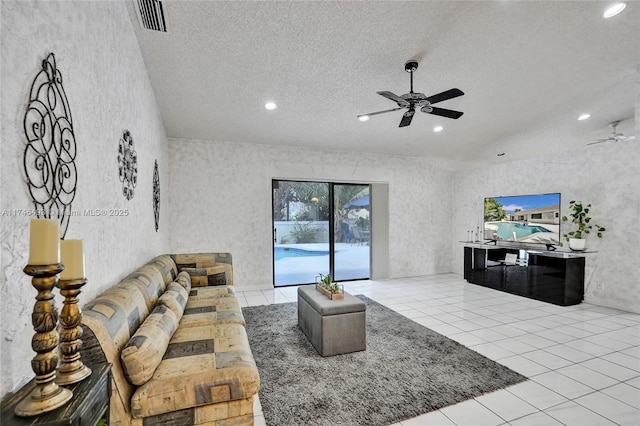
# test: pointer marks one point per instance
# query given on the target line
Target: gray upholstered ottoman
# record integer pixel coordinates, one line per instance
(332, 326)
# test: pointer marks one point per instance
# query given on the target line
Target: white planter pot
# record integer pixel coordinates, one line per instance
(577, 244)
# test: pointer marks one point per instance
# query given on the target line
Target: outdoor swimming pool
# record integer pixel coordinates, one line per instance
(282, 252)
(522, 230)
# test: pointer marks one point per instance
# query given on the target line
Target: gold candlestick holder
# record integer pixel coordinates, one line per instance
(72, 370)
(47, 395)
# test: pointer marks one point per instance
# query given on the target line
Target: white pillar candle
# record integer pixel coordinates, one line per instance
(72, 257)
(44, 247)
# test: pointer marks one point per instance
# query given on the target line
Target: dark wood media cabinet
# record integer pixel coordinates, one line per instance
(553, 277)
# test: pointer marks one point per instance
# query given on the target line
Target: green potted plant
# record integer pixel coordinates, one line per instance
(329, 288)
(579, 216)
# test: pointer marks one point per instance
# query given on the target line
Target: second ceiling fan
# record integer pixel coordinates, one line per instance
(412, 100)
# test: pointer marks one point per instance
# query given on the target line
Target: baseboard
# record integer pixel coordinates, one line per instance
(611, 304)
(253, 288)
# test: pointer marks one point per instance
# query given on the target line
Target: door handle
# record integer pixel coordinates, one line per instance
(275, 235)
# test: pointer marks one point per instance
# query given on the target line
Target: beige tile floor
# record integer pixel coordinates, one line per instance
(583, 361)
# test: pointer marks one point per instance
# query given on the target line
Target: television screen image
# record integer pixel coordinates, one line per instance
(531, 218)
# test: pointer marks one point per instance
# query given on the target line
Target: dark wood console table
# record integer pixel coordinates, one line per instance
(89, 404)
(549, 276)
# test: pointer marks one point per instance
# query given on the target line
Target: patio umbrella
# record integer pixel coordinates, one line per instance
(358, 203)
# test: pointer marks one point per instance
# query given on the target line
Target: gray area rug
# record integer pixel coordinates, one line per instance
(407, 370)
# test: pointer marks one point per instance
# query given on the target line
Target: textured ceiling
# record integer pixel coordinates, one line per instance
(528, 69)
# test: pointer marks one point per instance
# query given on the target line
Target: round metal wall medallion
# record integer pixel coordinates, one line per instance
(127, 165)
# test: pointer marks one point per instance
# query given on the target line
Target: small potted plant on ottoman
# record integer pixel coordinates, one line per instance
(330, 289)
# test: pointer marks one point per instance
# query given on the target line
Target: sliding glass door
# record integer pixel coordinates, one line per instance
(301, 238)
(352, 236)
(320, 228)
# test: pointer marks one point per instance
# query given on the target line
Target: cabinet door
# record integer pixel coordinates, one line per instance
(547, 279)
(574, 281)
(479, 258)
(468, 263)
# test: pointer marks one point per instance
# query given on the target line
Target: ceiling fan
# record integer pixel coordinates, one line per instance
(412, 101)
(615, 136)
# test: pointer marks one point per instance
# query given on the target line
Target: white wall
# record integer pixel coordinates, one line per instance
(221, 201)
(606, 176)
(108, 91)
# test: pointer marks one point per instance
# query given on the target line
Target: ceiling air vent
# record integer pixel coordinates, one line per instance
(151, 15)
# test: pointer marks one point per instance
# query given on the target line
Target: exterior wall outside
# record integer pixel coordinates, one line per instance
(604, 175)
(221, 199)
(108, 90)
(538, 217)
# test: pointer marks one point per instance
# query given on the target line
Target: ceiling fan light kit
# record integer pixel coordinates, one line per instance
(614, 136)
(413, 100)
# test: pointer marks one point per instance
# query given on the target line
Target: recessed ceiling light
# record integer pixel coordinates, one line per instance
(614, 10)
(270, 106)
(584, 117)
(364, 118)
(438, 129)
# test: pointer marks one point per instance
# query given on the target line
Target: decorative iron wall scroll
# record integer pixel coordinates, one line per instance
(156, 194)
(49, 157)
(127, 165)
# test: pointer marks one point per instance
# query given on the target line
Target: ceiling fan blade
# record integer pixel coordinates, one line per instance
(449, 113)
(400, 101)
(613, 139)
(407, 117)
(379, 112)
(447, 94)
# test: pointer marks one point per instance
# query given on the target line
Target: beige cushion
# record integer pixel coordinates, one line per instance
(166, 266)
(144, 351)
(205, 260)
(203, 365)
(175, 298)
(150, 283)
(202, 310)
(211, 276)
(200, 293)
(114, 317)
(184, 280)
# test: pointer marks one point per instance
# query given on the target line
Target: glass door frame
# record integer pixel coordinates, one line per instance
(331, 227)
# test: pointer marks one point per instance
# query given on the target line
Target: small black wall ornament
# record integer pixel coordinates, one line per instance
(127, 165)
(156, 195)
(50, 153)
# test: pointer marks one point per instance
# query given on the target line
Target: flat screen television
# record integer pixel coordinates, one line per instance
(533, 218)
